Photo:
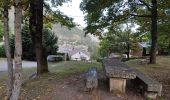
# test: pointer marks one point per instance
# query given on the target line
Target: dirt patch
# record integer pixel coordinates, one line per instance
(72, 89)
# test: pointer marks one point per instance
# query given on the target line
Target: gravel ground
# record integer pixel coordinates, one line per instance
(25, 64)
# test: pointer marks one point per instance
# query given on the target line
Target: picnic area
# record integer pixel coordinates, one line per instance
(84, 50)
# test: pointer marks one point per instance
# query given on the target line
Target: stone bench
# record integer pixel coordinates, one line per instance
(118, 73)
(149, 87)
(91, 79)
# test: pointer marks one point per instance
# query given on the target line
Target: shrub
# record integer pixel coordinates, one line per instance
(49, 42)
(2, 51)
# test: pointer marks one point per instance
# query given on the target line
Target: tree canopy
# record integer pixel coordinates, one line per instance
(102, 15)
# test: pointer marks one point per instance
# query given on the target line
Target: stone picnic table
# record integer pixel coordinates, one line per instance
(118, 73)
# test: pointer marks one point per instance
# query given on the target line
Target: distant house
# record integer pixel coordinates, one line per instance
(143, 49)
(114, 55)
(77, 54)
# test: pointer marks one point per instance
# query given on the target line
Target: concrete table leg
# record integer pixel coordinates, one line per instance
(117, 85)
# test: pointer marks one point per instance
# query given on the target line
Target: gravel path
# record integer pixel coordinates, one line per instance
(25, 64)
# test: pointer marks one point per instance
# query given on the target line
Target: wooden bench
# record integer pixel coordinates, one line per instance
(118, 73)
(149, 87)
(91, 79)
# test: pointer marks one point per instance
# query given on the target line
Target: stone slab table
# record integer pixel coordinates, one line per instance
(118, 73)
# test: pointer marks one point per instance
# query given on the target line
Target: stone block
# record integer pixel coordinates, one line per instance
(118, 85)
(91, 79)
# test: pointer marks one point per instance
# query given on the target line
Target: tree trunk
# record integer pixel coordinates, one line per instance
(36, 26)
(7, 49)
(128, 44)
(18, 50)
(169, 49)
(153, 32)
(128, 51)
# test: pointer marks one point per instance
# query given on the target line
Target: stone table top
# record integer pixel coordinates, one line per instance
(114, 68)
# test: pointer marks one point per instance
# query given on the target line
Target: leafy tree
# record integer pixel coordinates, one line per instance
(49, 41)
(1, 31)
(103, 14)
(164, 38)
(120, 41)
(2, 51)
(36, 25)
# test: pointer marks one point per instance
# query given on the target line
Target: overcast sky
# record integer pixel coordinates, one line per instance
(72, 10)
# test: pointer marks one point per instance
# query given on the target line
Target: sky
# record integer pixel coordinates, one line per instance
(72, 9)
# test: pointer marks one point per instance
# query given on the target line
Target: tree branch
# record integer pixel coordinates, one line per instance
(147, 16)
(147, 5)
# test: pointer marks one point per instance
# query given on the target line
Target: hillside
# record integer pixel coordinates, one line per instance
(72, 37)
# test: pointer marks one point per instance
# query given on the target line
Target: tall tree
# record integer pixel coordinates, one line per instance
(102, 14)
(18, 50)
(36, 26)
(7, 48)
(154, 34)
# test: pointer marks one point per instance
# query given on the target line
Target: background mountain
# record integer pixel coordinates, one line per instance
(74, 37)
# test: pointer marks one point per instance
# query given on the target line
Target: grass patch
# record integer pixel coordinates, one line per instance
(66, 69)
(58, 72)
(161, 66)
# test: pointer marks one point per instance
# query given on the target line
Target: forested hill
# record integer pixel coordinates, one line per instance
(71, 36)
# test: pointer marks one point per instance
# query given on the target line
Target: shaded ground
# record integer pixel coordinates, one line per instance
(71, 89)
(159, 71)
(66, 82)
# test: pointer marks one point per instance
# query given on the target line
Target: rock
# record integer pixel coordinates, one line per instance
(51, 58)
(91, 79)
(33, 75)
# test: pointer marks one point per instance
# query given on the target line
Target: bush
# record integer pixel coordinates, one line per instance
(49, 42)
(2, 51)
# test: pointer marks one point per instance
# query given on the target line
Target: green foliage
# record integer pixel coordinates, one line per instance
(93, 49)
(1, 31)
(2, 51)
(55, 16)
(111, 44)
(164, 38)
(49, 42)
(118, 41)
(102, 15)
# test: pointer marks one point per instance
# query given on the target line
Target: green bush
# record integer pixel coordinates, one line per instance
(1, 30)
(49, 42)
(2, 51)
